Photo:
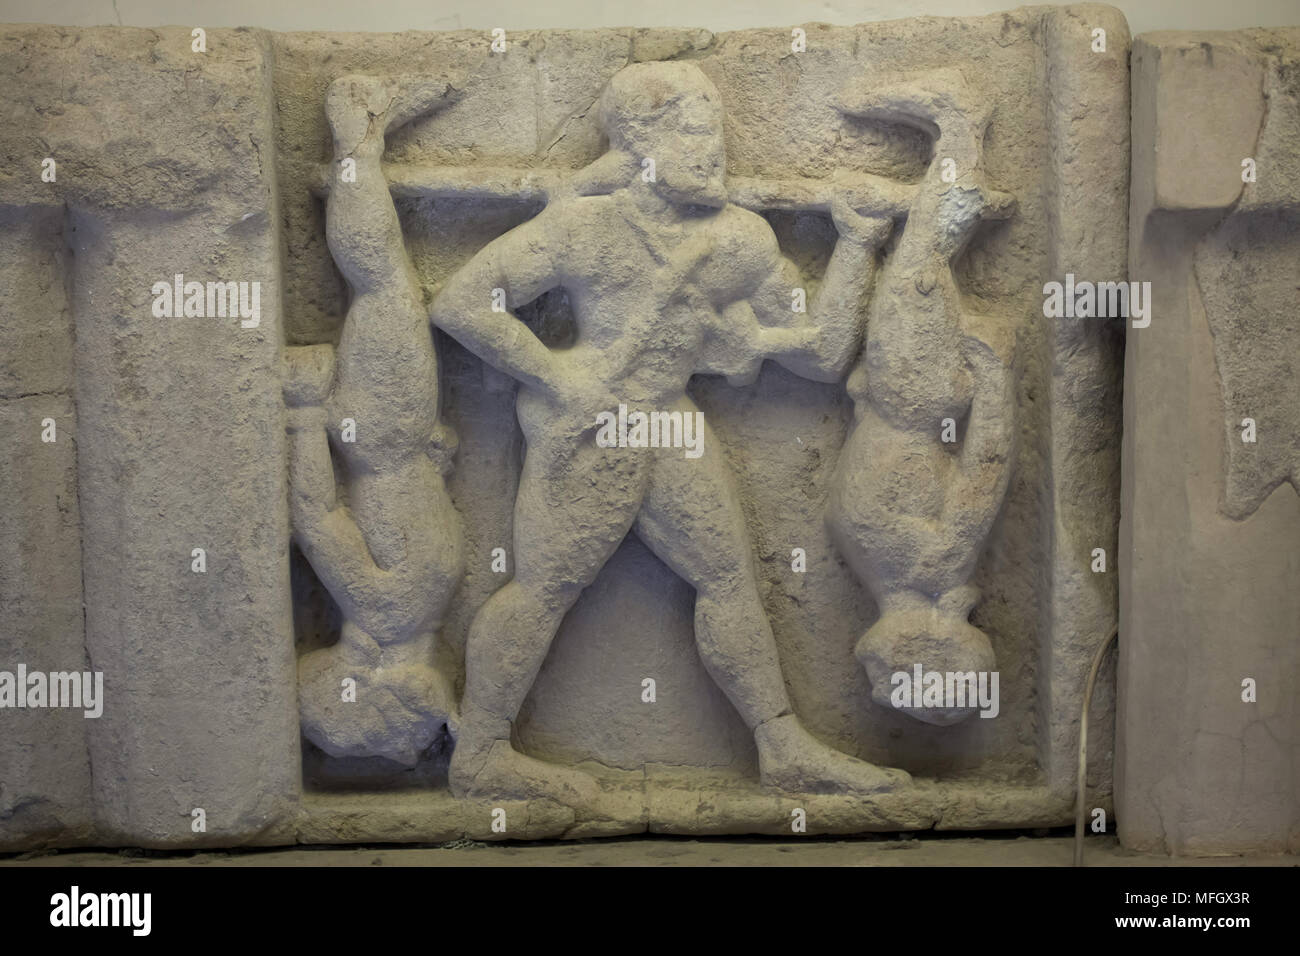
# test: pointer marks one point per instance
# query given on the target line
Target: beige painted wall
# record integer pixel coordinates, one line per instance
(386, 15)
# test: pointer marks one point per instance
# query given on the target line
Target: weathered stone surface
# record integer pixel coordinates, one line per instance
(45, 786)
(417, 551)
(1211, 521)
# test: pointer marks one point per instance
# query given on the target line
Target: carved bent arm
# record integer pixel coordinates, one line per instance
(378, 600)
(522, 264)
(828, 338)
(325, 531)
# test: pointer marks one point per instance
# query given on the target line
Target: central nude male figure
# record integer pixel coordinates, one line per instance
(666, 279)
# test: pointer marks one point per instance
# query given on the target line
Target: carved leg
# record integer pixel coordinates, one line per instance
(387, 325)
(692, 519)
(574, 507)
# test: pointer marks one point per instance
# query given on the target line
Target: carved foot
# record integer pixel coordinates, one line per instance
(354, 105)
(495, 770)
(793, 760)
(398, 712)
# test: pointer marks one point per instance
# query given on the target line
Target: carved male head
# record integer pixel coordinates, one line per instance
(670, 113)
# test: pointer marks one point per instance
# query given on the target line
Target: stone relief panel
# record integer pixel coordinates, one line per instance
(651, 417)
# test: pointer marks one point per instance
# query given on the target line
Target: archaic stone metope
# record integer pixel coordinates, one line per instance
(640, 430)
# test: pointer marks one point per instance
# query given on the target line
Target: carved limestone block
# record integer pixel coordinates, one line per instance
(1210, 610)
(562, 434)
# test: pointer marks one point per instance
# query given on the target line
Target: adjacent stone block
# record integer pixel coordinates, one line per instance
(1209, 734)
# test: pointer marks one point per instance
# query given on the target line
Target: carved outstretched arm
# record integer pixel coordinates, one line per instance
(522, 264)
(827, 339)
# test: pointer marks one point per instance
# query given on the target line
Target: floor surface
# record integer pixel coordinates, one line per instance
(673, 851)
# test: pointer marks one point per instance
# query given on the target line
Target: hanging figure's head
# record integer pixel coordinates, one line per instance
(669, 113)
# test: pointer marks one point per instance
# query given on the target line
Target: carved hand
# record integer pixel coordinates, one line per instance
(866, 230)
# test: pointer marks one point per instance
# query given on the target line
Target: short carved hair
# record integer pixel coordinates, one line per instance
(639, 99)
